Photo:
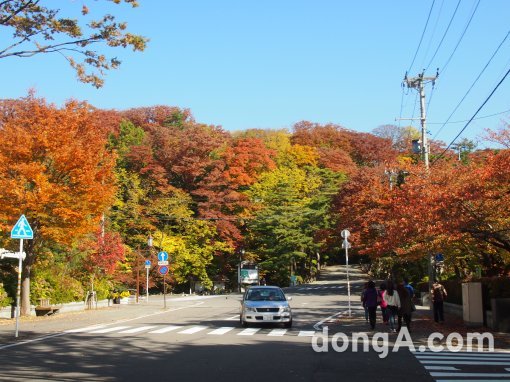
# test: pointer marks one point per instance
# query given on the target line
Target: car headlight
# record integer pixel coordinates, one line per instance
(285, 310)
(249, 309)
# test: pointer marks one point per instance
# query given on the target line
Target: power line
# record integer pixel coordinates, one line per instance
(461, 37)
(482, 117)
(473, 117)
(421, 38)
(473, 84)
(432, 34)
(444, 35)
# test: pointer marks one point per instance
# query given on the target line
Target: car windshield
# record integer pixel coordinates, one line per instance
(265, 295)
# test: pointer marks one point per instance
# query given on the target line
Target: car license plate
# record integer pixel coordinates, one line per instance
(268, 318)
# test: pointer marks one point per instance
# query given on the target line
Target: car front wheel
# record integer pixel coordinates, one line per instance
(288, 324)
(244, 324)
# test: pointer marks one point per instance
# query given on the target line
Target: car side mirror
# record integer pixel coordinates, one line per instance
(289, 298)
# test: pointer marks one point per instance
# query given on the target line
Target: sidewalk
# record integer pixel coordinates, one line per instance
(422, 326)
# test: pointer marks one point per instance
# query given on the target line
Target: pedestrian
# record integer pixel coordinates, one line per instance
(365, 287)
(406, 307)
(409, 287)
(392, 299)
(383, 304)
(371, 302)
(438, 293)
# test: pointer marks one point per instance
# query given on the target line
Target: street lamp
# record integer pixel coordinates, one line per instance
(241, 255)
(149, 244)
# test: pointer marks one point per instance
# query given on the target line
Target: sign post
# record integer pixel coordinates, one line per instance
(345, 235)
(163, 270)
(21, 230)
(147, 267)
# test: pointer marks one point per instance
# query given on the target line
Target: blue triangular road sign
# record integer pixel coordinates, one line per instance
(22, 229)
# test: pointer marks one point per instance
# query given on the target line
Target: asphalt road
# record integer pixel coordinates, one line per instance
(200, 339)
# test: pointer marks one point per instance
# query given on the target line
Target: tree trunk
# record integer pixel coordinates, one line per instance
(25, 288)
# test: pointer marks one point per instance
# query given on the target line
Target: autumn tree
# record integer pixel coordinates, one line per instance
(38, 29)
(55, 169)
(399, 136)
(293, 206)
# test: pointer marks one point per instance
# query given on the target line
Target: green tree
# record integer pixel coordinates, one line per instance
(293, 207)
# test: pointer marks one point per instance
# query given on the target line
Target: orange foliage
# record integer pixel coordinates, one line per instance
(246, 159)
(54, 168)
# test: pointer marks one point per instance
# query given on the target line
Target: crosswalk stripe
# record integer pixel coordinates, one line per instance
(491, 375)
(277, 332)
(493, 363)
(166, 329)
(306, 333)
(109, 330)
(248, 332)
(193, 330)
(431, 358)
(462, 354)
(445, 368)
(85, 329)
(137, 330)
(221, 330)
(473, 352)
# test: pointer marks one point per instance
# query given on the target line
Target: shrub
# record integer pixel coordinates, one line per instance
(103, 288)
(5, 300)
(59, 287)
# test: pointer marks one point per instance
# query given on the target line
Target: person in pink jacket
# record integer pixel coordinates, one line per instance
(383, 304)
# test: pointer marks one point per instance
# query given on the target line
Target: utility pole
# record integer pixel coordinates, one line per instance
(419, 83)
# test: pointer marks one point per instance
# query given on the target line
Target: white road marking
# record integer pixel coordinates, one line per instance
(277, 332)
(306, 333)
(460, 358)
(137, 330)
(449, 355)
(222, 330)
(193, 330)
(109, 330)
(318, 324)
(492, 375)
(166, 329)
(248, 332)
(445, 368)
(85, 329)
(233, 318)
(492, 363)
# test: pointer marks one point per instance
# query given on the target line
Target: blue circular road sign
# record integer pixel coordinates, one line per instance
(163, 270)
(163, 256)
(147, 263)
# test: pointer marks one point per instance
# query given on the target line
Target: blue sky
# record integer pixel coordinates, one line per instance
(271, 63)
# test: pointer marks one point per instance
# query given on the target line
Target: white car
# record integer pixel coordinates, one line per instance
(265, 304)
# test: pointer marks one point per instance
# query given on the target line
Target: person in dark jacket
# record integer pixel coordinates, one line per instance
(438, 293)
(406, 307)
(370, 301)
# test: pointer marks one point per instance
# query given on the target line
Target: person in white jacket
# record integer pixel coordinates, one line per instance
(393, 300)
